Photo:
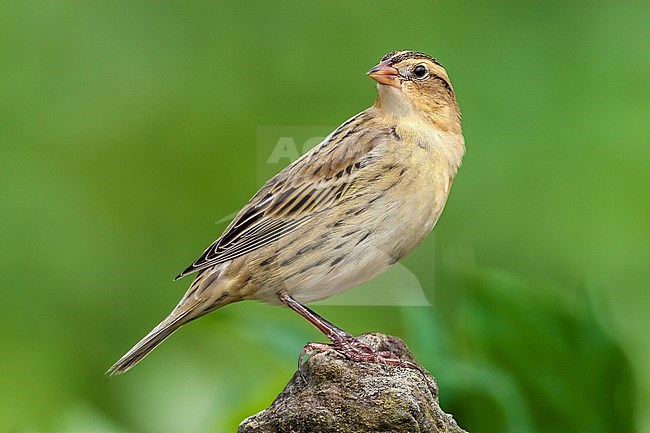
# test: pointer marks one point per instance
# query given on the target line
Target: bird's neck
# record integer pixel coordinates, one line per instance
(444, 116)
(436, 128)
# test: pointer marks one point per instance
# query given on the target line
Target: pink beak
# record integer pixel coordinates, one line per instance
(384, 73)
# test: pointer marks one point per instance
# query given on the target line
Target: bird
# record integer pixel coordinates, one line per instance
(341, 214)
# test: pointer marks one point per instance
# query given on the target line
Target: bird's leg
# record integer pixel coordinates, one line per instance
(332, 332)
(342, 342)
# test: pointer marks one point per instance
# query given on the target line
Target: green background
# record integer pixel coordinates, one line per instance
(127, 128)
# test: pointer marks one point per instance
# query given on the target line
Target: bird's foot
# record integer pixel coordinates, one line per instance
(351, 348)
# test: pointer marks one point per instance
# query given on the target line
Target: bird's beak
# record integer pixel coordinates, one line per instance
(384, 73)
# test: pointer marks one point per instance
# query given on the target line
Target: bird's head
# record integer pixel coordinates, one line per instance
(410, 82)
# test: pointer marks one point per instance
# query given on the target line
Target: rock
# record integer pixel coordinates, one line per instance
(356, 397)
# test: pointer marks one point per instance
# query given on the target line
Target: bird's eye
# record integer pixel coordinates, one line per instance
(420, 71)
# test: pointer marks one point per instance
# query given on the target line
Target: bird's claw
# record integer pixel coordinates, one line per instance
(354, 350)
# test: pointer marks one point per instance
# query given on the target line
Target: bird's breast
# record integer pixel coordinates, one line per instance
(390, 208)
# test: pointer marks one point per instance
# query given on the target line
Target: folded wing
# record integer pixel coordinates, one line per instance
(317, 181)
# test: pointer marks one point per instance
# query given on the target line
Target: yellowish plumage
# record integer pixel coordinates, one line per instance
(344, 212)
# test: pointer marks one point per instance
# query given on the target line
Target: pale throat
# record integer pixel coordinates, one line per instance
(392, 102)
(422, 127)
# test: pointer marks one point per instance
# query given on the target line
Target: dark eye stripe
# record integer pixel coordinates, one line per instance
(442, 80)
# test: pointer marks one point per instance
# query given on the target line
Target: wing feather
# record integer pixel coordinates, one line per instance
(317, 181)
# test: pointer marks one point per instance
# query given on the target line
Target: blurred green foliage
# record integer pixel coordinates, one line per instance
(128, 128)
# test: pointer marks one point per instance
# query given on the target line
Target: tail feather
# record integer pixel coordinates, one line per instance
(150, 341)
(205, 294)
